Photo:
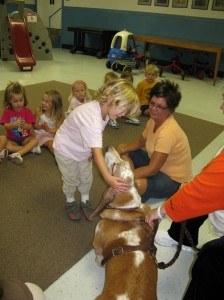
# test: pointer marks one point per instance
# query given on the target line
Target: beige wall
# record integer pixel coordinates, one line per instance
(45, 9)
(131, 5)
(30, 1)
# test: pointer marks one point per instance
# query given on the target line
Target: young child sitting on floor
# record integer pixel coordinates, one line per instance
(18, 121)
(144, 87)
(79, 95)
(49, 117)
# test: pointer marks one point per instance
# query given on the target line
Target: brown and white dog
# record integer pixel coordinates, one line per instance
(122, 239)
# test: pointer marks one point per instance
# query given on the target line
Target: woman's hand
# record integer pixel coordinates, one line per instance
(120, 149)
(155, 214)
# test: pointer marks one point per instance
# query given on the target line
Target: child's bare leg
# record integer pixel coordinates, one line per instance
(3, 151)
(13, 146)
(3, 142)
(28, 144)
(49, 145)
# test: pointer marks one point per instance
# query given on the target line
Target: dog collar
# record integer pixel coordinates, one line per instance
(120, 208)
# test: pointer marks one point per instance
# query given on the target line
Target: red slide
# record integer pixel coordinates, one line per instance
(21, 44)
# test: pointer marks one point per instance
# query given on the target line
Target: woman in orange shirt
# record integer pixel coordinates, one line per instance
(203, 195)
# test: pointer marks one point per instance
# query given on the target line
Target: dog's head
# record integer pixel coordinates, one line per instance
(121, 168)
(118, 167)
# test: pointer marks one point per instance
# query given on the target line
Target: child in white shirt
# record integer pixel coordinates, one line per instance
(79, 139)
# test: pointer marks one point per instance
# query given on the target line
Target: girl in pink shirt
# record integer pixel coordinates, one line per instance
(18, 121)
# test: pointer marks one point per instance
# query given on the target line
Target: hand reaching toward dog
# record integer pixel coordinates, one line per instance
(155, 215)
(118, 184)
(120, 149)
(151, 217)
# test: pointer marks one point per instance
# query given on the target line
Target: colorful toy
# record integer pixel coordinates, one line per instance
(123, 55)
(175, 64)
(200, 68)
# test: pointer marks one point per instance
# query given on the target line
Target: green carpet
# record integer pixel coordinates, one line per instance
(38, 242)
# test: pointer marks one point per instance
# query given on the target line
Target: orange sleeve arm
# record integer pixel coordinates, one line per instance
(202, 195)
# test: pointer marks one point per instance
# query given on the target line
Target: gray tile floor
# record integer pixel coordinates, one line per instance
(200, 99)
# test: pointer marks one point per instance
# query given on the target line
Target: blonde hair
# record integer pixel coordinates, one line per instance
(120, 93)
(13, 88)
(87, 96)
(57, 107)
(109, 76)
(153, 69)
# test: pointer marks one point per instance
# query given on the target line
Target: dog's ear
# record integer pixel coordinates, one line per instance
(112, 168)
(127, 164)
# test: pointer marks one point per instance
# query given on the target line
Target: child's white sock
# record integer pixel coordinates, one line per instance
(70, 200)
(84, 198)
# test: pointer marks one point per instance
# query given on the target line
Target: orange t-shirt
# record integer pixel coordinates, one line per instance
(170, 139)
(143, 90)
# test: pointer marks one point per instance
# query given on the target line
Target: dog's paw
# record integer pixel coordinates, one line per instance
(90, 218)
(98, 260)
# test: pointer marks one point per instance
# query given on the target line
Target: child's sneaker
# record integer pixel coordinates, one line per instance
(113, 124)
(73, 211)
(16, 158)
(36, 150)
(4, 153)
(134, 121)
(87, 209)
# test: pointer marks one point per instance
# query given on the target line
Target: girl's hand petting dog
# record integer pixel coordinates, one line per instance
(118, 184)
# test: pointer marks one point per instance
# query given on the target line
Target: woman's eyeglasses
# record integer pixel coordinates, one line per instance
(158, 107)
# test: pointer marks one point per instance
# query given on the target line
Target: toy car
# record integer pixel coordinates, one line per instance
(123, 55)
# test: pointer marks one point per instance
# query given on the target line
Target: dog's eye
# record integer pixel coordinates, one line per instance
(112, 168)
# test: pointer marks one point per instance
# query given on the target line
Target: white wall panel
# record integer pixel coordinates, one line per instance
(45, 10)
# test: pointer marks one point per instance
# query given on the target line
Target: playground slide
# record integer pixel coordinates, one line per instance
(21, 44)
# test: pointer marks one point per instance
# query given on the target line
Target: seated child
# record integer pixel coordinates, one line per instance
(80, 94)
(18, 121)
(144, 87)
(49, 117)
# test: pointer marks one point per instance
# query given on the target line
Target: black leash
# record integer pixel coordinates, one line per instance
(183, 231)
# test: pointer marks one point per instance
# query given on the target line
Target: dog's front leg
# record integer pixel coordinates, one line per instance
(98, 243)
(107, 197)
(98, 259)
